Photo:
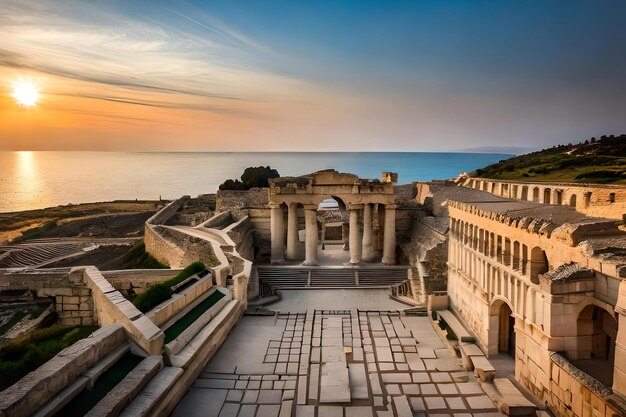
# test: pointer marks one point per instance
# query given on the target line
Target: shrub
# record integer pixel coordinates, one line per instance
(155, 294)
(21, 356)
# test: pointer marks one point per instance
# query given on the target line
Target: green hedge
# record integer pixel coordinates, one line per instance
(21, 356)
(157, 293)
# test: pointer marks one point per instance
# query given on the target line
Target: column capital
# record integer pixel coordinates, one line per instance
(275, 205)
(354, 206)
(310, 206)
(391, 206)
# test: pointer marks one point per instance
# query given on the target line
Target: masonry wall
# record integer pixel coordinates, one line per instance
(598, 200)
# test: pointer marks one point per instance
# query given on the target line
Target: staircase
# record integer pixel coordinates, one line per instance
(330, 277)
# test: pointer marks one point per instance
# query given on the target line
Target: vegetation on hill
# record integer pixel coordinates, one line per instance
(252, 177)
(598, 161)
(157, 293)
(21, 356)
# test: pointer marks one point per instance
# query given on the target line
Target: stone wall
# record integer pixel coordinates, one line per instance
(192, 248)
(562, 387)
(131, 282)
(242, 233)
(72, 299)
(598, 200)
(110, 307)
(253, 203)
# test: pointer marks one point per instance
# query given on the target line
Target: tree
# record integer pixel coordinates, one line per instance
(258, 176)
(251, 177)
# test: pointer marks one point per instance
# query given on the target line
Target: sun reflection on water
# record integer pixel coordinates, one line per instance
(27, 176)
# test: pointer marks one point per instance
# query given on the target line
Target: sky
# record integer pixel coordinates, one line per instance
(311, 75)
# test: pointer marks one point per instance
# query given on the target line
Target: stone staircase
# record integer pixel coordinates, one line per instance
(37, 254)
(283, 277)
(331, 277)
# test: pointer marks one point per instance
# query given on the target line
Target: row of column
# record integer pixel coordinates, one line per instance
(529, 262)
(361, 245)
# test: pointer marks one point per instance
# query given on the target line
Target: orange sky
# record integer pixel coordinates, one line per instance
(249, 76)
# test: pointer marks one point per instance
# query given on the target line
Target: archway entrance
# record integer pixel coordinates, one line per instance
(506, 331)
(596, 331)
(334, 231)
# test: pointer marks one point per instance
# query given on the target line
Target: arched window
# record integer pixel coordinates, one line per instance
(538, 264)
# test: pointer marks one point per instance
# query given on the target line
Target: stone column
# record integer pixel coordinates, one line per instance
(310, 217)
(355, 235)
(389, 246)
(292, 231)
(368, 233)
(278, 234)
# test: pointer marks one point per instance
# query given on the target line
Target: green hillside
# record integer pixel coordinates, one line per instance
(598, 161)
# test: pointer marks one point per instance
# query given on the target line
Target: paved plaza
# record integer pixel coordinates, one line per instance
(344, 363)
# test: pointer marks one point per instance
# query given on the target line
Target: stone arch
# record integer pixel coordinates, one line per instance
(536, 194)
(547, 196)
(558, 196)
(572, 200)
(524, 194)
(501, 338)
(596, 334)
(538, 263)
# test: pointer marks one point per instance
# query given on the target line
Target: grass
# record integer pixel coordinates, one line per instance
(138, 258)
(177, 328)
(21, 356)
(602, 161)
(157, 293)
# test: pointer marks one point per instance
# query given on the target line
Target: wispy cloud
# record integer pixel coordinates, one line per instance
(193, 66)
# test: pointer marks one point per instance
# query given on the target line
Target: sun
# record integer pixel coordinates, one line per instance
(25, 93)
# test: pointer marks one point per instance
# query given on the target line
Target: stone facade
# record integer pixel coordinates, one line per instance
(534, 280)
(598, 200)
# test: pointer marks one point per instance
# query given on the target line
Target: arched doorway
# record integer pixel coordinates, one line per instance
(501, 339)
(333, 232)
(547, 194)
(596, 333)
(536, 194)
(506, 330)
(572, 200)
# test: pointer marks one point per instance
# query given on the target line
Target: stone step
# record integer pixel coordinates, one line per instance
(483, 369)
(123, 393)
(146, 401)
(509, 399)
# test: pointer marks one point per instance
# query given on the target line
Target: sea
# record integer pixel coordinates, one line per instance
(33, 180)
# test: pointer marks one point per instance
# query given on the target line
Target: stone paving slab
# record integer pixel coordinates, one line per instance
(336, 363)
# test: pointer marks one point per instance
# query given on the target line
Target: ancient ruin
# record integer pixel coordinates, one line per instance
(332, 295)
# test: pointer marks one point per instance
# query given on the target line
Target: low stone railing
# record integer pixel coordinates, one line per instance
(162, 313)
(110, 307)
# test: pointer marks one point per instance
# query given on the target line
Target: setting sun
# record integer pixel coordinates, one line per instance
(26, 93)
